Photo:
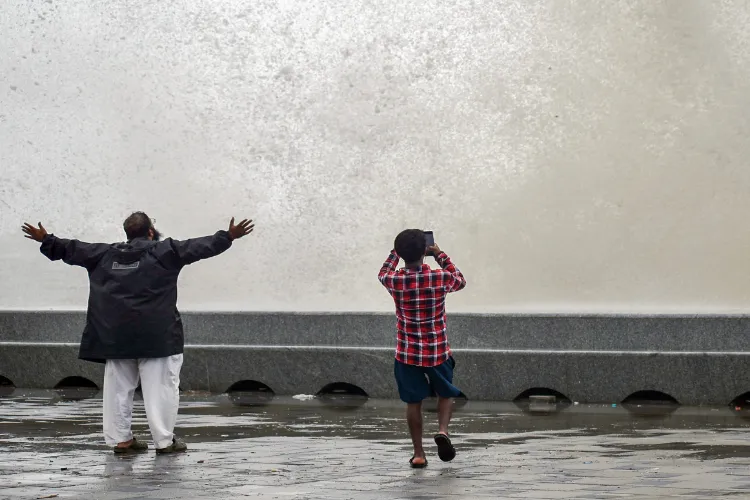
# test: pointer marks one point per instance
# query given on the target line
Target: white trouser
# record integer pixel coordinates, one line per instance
(160, 382)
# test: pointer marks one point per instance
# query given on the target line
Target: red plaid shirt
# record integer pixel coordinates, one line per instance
(419, 295)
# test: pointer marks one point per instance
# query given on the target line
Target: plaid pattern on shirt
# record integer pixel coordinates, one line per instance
(419, 295)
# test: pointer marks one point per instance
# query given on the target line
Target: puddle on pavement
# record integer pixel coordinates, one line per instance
(33, 414)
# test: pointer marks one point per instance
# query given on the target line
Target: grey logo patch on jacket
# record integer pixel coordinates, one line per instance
(117, 265)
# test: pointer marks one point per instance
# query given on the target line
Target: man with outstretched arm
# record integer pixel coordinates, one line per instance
(132, 322)
(424, 363)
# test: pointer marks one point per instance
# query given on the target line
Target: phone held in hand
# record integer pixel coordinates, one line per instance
(429, 239)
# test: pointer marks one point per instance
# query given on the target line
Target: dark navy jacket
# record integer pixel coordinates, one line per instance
(132, 311)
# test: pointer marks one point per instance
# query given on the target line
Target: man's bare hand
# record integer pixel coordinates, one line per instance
(242, 229)
(434, 251)
(34, 233)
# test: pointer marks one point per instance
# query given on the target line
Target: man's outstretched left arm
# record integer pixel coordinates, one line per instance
(195, 249)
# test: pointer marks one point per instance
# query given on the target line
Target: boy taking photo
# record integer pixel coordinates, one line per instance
(424, 363)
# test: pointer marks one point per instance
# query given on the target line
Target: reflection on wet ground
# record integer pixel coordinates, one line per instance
(338, 447)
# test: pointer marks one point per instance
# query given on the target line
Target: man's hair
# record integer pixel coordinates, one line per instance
(410, 245)
(137, 225)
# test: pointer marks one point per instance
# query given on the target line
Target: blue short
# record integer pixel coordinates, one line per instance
(416, 383)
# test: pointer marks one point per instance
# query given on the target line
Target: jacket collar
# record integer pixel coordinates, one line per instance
(139, 242)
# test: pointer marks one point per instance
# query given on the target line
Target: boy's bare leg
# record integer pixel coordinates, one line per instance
(445, 410)
(414, 419)
(446, 451)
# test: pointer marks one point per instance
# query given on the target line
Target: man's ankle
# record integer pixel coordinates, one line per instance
(125, 444)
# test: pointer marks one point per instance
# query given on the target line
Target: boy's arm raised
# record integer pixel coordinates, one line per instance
(454, 279)
(388, 267)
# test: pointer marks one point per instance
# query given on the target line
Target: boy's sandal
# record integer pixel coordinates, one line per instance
(446, 451)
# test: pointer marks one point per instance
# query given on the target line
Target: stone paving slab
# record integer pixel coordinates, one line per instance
(305, 450)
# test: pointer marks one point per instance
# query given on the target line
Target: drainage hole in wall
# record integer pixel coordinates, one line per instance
(741, 405)
(342, 395)
(250, 393)
(741, 402)
(6, 386)
(650, 403)
(76, 388)
(542, 401)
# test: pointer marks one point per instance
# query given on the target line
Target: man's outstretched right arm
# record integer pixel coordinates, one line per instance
(72, 252)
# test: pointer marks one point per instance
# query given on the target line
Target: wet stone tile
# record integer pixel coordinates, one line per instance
(292, 449)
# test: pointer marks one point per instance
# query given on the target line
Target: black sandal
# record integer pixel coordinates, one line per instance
(417, 466)
(446, 451)
(135, 447)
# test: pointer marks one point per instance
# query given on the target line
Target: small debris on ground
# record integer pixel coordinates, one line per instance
(304, 397)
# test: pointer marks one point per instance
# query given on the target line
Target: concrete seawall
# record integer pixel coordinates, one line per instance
(587, 358)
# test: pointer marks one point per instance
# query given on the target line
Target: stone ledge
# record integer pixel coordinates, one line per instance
(467, 331)
(693, 378)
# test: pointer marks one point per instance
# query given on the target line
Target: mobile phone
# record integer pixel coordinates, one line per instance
(429, 239)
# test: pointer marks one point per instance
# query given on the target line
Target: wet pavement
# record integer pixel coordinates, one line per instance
(51, 447)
